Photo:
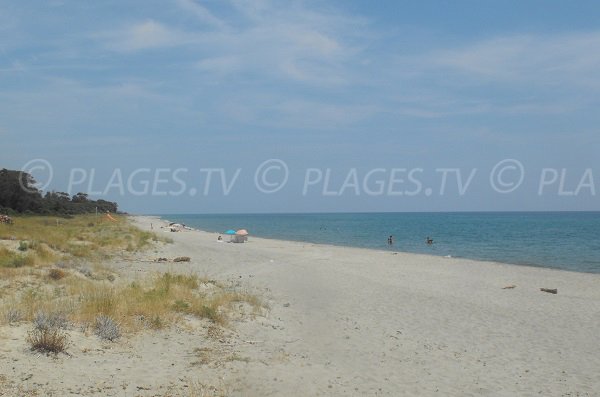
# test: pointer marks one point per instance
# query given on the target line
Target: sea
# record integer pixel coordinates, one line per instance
(560, 240)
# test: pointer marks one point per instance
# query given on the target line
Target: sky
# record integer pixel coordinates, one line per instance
(232, 106)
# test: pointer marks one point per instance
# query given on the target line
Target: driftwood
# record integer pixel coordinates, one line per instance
(549, 290)
(178, 259)
(510, 286)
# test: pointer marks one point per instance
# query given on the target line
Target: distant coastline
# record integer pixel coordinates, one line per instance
(555, 240)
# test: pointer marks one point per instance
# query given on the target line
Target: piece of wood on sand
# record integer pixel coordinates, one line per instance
(550, 290)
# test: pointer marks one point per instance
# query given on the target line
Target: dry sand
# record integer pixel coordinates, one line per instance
(341, 322)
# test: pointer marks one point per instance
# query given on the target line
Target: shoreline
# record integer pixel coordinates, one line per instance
(330, 320)
(460, 258)
(354, 321)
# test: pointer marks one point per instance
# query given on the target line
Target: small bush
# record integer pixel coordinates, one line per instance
(181, 306)
(52, 320)
(168, 279)
(209, 313)
(48, 340)
(144, 238)
(156, 322)
(13, 315)
(15, 260)
(182, 259)
(107, 328)
(23, 246)
(21, 260)
(101, 301)
(86, 271)
(56, 274)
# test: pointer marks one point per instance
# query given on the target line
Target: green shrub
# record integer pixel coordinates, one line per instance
(181, 306)
(10, 259)
(209, 313)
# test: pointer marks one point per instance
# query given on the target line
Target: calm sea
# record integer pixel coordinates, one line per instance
(562, 240)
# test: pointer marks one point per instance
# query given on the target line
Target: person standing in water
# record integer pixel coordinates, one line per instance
(390, 240)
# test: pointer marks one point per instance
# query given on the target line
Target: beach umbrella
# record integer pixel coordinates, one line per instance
(230, 231)
(242, 232)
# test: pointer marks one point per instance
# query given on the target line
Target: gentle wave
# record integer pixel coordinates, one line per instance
(562, 240)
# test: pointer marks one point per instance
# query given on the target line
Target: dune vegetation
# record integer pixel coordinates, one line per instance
(53, 275)
(45, 239)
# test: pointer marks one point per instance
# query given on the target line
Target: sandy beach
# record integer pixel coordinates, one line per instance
(408, 196)
(341, 321)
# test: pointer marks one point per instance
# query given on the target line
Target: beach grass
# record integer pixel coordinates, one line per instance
(155, 303)
(11, 259)
(54, 266)
(44, 239)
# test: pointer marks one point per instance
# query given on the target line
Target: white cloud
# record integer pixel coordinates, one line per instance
(306, 40)
(287, 50)
(66, 107)
(323, 114)
(143, 35)
(553, 59)
(532, 75)
(202, 13)
(270, 41)
(219, 65)
(252, 9)
(319, 66)
(283, 111)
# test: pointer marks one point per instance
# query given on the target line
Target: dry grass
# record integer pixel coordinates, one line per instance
(57, 270)
(15, 259)
(36, 241)
(13, 315)
(57, 274)
(151, 304)
(47, 239)
(48, 340)
(199, 389)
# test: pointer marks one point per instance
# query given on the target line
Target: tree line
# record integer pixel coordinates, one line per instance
(18, 194)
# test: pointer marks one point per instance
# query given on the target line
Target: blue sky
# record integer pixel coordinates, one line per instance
(341, 85)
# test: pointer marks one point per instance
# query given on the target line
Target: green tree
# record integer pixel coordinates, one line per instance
(18, 193)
